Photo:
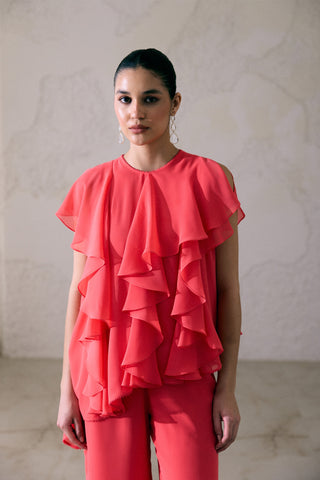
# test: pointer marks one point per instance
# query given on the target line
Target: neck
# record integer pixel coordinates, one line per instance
(150, 157)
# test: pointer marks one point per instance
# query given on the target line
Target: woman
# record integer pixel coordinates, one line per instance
(154, 304)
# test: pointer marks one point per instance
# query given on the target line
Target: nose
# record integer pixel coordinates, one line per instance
(136, 109)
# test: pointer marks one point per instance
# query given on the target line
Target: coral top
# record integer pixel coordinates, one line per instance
(148, 290)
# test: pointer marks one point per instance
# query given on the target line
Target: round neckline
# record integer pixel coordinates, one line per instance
(130, 167)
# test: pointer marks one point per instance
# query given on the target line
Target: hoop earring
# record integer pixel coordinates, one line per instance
(172, 130)
(120, 137)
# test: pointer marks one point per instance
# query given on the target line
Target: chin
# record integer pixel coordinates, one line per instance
(148, 141)
(139, 143)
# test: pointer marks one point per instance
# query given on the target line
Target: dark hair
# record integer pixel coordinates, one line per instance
(153, 60)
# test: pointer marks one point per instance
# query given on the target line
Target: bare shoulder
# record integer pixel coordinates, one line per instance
(227, 173)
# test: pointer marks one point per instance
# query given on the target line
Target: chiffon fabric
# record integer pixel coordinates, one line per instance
(178, 418)
(148, 291)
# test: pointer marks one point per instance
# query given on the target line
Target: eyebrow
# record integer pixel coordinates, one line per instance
(147, 92)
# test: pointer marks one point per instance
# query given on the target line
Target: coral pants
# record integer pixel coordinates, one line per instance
(179, 420)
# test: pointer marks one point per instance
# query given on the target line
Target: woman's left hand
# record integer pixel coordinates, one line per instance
(225, 410)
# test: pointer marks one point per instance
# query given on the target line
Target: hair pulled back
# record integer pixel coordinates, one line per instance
(153, 60)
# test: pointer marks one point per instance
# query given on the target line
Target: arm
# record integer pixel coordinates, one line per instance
(225, 407)
(69, 412)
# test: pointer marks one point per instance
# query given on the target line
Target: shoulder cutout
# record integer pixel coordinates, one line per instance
(228, 174)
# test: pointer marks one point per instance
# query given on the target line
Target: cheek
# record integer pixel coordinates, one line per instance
(162, 115)
(120, 113)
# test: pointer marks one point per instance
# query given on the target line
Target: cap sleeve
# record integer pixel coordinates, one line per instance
(229, 201)
(70, 208)
(83, 210)
(217, 201)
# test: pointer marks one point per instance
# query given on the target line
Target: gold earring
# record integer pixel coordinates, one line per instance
(172, 130)
(120, 137)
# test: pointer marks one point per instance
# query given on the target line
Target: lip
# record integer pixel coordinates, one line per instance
(138, 128)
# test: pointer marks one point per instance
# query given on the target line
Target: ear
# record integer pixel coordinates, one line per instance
(176, 101)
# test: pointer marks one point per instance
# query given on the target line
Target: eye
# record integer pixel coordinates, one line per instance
(125, 99)
(151, 99)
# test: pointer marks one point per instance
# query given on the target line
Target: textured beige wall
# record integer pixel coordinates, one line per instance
(249, 73)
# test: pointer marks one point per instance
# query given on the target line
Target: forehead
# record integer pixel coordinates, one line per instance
(135, 79)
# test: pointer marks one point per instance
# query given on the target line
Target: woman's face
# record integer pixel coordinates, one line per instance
(143, 106)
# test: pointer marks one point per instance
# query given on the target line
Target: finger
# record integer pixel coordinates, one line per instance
(230, 432)
(79, 429)
(234, 422)
(235, 430)
(227, 435)
(227, 430)
(71, 435)
(217, 427)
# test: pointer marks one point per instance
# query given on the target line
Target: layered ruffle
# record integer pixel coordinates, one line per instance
(180, 211)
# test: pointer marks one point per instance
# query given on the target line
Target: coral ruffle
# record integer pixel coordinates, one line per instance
(150, 240)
